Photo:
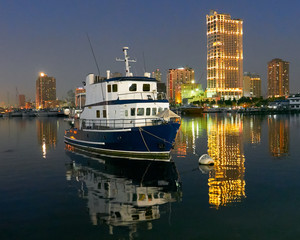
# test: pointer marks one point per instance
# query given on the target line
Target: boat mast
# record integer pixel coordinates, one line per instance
(127, 61)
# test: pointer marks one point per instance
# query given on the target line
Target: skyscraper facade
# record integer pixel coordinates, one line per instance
(80, 97)
(45, 91)
(251, 85)
(224, 56)
(175, 79)
(157, 75)
(21, 100)
(278, 78)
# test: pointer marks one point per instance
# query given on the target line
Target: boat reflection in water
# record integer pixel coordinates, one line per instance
(122, 192)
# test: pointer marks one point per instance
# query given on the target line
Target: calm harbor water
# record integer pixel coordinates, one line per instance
(50, 191)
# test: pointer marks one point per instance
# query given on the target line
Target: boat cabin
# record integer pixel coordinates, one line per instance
(122, 100)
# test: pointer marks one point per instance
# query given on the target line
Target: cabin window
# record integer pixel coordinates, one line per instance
(132, 87)
(126, 113)
(140, 111)
(165, 109)
(132, 111)
(104, 113)
(115, 87)
(148, 111)
(98, 113)
(153, 111)
(146, 87)
(160, 110)
(108, 88)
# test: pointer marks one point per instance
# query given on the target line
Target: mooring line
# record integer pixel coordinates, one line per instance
(155, 136)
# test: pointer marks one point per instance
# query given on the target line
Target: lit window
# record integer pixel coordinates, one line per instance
(104, 113)
(108, 88)
(98, 113)
(115, 87)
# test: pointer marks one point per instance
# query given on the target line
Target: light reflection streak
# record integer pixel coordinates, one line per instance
(44, 148)
(226, 135)
(47, 134)
(226, 182)
(278, 135)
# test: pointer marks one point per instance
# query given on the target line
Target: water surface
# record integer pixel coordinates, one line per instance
(49, 190)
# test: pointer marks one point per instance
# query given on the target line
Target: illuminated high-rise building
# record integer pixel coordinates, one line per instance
(45, 90)
(161, 87)
(278, 78)
(175, 79)
(251, 85)
(224, 56)
(157, 75)
(80, 97)
(21, 100)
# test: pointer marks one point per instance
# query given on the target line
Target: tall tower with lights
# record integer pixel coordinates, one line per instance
(224, 56)
(45, 90)
(278, 78)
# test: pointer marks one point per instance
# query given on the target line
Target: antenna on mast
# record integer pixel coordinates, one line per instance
(127, 61)
(95, 62)
(93, 53)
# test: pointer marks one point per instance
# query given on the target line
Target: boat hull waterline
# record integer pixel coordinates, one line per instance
(153, 142)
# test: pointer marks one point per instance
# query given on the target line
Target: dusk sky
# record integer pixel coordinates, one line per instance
(50, 36)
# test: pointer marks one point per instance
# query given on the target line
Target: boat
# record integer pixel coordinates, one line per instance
(52, 112)
(121, 192)
(120, 118)
(191, 110)
(60, 113)
(28, 113)
(16, 113)
(42, 113)
(212, 110)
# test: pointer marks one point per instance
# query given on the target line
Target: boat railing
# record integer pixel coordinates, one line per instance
(142, 95)
(102, 124)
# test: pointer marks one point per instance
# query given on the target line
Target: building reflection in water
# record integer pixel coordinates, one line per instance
(252, 128)
(46, 134)
(122, 192)
(279, 135)
(225, 145)
(190, 130)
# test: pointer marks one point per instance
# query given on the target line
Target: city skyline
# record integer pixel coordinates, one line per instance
(50, 37)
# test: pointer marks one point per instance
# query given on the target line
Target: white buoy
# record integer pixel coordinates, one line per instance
(205, 169)
(205, 159)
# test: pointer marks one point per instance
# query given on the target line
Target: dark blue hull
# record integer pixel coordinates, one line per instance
(138, 143)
